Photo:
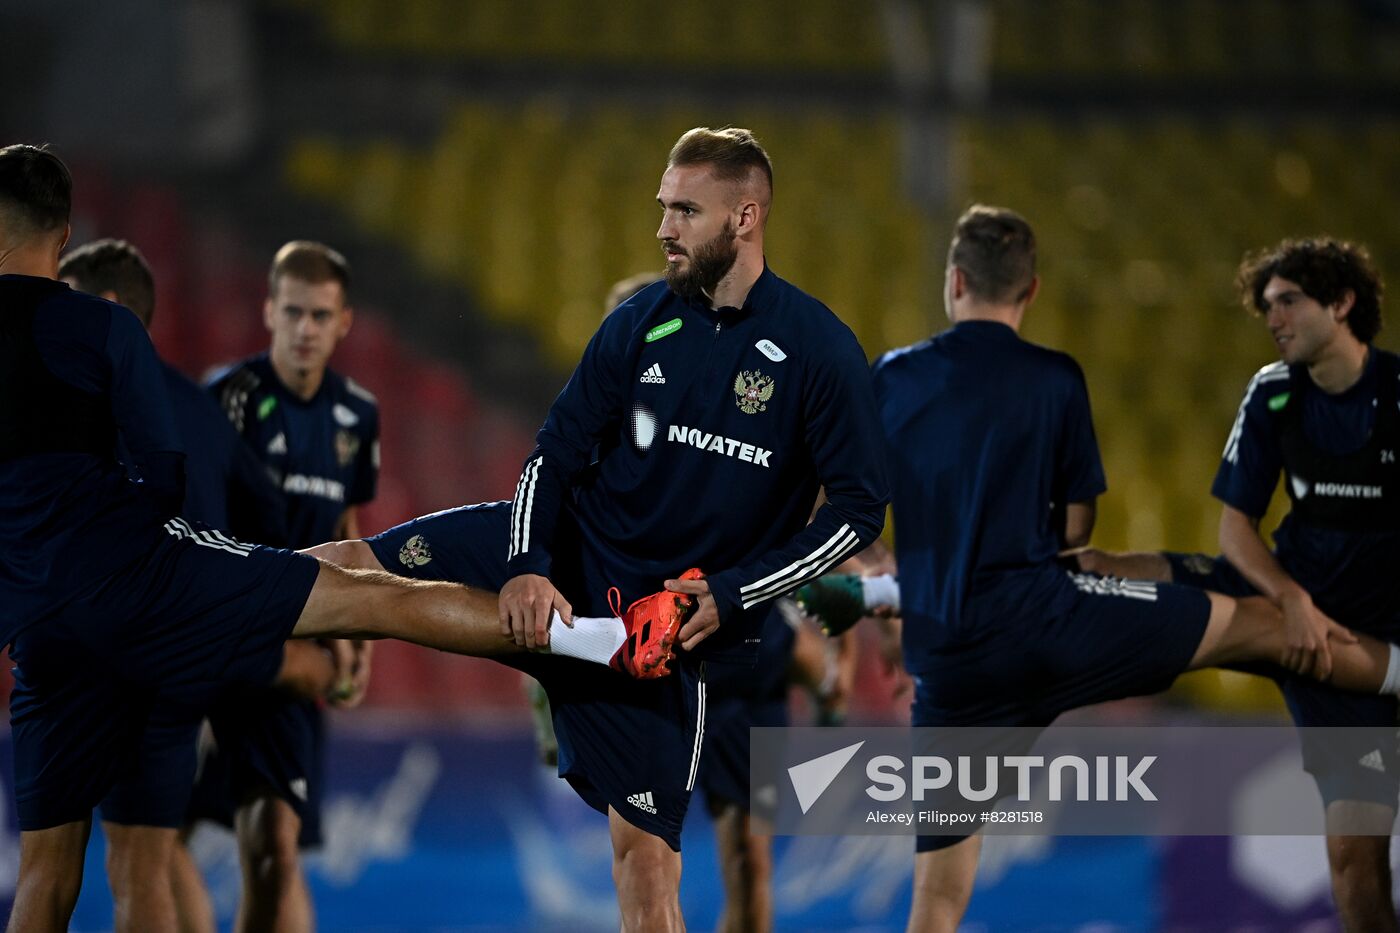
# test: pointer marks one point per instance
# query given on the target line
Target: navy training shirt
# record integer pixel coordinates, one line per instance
(987, 435)
(322, 453)
(226, 486)
(713, 430)
(69, 517)
(1351, 575)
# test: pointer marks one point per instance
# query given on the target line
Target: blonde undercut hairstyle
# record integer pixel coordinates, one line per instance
(732, 153)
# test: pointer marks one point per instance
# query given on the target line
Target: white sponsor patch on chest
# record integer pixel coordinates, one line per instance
(344, 416)
(771, 350)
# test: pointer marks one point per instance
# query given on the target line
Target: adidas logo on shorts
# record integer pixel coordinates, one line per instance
(1373, 761)
(653, 375)
(643, 801)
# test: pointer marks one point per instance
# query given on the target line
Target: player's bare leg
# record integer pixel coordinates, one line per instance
(746, 866)
(374, 604)
(943, 880)
(275, 898)
(1252, 629)
(194, 911)
(354, 554)
(647, 874)
(138, 872)
(1360, 865)
(451, 617)
(1134, 565)
(50, 876)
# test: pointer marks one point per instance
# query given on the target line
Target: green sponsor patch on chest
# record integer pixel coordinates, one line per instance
(664, 330)
(1278, 401)
(266, 406)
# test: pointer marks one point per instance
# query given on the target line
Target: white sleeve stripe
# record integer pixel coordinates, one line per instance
(515, 514)
(802, 571)
(524, 502)
(529, 505)
(521, 507)
(845, 547)
(1232, 443)
(820, 552)
(515, 517)
(788, 585)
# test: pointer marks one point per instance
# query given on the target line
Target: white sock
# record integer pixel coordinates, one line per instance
(881, 591)
(589, 639)
(1391, 685)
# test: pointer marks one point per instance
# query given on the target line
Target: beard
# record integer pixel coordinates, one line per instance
(709, 263)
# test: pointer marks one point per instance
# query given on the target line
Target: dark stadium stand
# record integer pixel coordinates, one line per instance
(790, 35)
(1140, 223)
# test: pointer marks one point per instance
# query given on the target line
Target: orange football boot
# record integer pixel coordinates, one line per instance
(652, 622)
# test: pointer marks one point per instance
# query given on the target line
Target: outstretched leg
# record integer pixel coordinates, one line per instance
(373, 604)
(1252, 629)
(1132, 565)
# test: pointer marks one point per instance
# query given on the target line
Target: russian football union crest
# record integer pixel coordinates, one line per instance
(1198, 564)
(415, 552)
(753, 390)
(346, 446)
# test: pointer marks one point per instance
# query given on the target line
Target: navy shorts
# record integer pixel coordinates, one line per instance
(155, 788)
(743, 697)
(632, 745)
(197, 614)
(1336, 765)
(264, 742)
(1117, 639)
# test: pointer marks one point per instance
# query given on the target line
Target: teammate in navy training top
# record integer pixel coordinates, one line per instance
(317, 433)
(995, 632)
(710, 408)
(315, 430)
(225, 488)
(102, 583)
(1327, 418)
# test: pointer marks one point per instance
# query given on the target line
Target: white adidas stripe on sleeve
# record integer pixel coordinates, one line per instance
(789, 578)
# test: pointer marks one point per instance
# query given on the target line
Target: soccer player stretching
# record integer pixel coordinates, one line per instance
(704, 415)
